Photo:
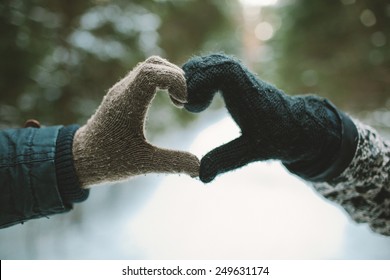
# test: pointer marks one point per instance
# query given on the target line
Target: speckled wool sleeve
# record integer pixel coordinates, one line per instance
(363, 189)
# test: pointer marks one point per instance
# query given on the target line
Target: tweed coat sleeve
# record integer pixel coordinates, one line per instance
(363, 189)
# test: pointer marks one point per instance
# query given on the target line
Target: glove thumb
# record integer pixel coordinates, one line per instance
(171, 161)
(225, 158)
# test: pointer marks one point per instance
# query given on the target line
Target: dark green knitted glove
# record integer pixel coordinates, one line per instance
(307, 133)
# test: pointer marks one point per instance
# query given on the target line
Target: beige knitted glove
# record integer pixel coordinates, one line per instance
(112, 145)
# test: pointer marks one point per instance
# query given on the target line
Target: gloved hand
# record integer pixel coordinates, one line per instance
(111, 146)
(308, 134)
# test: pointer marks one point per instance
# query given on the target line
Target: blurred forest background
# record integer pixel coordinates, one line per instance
(58, 58)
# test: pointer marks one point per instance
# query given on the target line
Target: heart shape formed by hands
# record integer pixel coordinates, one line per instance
(112, 146)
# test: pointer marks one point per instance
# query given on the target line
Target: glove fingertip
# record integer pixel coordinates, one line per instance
(192, 64)
(208, 170)
(195, 108)
(206, 177)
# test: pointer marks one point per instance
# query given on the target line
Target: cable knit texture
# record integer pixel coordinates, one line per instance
(363, 189)
(304, 132)
(112, 145)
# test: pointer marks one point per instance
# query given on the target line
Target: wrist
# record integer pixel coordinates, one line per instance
(337, 152)
(67, 180)
(348, 146)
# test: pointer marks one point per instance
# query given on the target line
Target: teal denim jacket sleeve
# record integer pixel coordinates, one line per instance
(29, 186)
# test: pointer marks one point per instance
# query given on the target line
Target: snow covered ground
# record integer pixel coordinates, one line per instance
(257, 212)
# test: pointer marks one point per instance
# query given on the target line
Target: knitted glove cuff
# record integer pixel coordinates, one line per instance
(67, 180)
(326, 168)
